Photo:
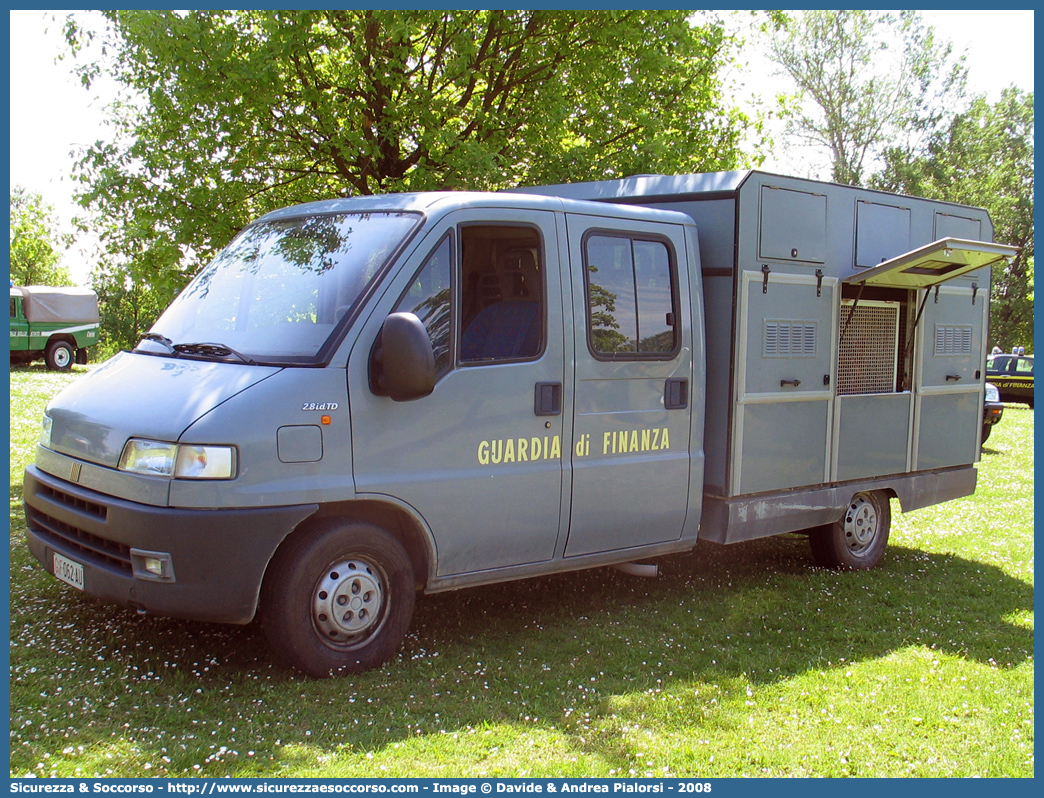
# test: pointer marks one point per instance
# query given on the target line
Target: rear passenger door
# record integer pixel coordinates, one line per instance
(629, 449)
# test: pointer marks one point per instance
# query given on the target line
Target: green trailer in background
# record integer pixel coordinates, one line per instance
(53, 324)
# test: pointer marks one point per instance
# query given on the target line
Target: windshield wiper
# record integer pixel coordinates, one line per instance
(160, 339)
(211, 351)
(206, 350)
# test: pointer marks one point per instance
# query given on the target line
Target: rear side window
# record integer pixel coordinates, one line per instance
(630, 296)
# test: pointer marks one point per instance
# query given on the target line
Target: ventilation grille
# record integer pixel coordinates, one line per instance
(82, 544)
(869, 348)
(953, 339)
(99, 511)
(789, 338)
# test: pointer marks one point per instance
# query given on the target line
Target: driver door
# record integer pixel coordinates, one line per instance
(480, 459)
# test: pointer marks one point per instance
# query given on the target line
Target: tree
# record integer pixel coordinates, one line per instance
(240, 112)
(128, 308)
(865, 79)
(984, 158)
(35, 241)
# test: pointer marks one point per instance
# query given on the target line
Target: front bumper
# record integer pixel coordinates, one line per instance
(218, 557)
(991, 413)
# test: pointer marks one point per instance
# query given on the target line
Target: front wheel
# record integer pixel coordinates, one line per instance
(857, 540)
(338, 599)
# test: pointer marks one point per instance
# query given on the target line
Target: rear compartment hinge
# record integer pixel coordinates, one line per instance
(819, 282)
(764, 283)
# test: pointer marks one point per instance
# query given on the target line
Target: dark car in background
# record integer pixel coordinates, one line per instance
(1013, 376)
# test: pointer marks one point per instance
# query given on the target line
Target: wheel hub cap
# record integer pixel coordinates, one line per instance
(860, 525)
(347, 601)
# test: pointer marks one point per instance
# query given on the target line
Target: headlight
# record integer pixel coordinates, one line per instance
(160, 459)
(992, 394)
(205, 462)
(45, 432)
(154, 458)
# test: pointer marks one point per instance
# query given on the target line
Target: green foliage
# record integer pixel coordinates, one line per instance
(128, 309)
(865, 79)
(35, 241)
(736, 661)
(229, 114)
(985, 157)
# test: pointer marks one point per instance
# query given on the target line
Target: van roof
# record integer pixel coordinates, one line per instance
(700, 185)
(439, 202)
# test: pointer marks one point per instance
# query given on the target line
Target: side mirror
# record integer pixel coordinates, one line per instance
(402, 363)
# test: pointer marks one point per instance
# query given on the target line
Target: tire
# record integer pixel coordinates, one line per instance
(986, 430)
(358, 570)
(59, 356)
(856, 541)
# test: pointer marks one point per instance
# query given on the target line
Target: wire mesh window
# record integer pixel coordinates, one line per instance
(868, 355)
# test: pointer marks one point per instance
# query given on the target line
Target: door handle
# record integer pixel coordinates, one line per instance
(676, 393)
(548, 399)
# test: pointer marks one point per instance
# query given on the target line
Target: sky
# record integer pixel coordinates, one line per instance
(52, 114)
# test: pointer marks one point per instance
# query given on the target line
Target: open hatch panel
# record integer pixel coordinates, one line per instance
(934, 263)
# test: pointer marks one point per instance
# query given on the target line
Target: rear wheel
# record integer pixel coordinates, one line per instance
(857, 540)
(338, 599)
(59, 356)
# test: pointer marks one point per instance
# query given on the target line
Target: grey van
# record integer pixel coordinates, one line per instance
(363, 399)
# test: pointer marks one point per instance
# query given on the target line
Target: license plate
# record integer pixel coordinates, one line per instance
(68, 571)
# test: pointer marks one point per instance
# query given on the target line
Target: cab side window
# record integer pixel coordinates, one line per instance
(630, 297)
(501, 305)
(430, 298)
(502, 293)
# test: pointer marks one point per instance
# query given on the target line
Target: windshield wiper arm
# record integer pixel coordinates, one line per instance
(211, 350)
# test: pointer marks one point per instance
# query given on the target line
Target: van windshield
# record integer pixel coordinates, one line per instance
(277, 292)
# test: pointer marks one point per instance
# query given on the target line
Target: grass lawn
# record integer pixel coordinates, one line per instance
(736, 661)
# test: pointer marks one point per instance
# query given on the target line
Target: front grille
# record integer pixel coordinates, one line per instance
(99, 511)
(91, 548)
